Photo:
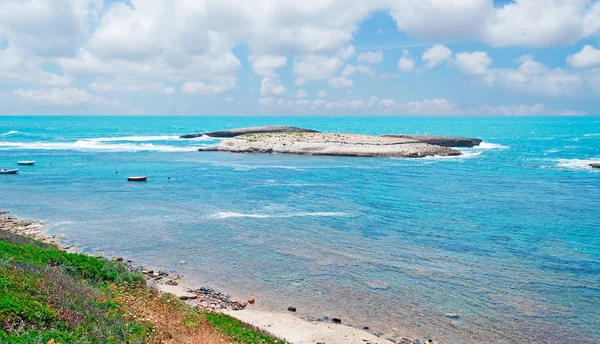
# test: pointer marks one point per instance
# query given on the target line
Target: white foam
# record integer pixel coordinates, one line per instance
(12, 132)
(86, 145)
(146, 138)
(577, 164)
(465, 155)
(229, 215)
(489, 145)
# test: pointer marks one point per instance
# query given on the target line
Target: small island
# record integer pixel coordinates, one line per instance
(294, 140)
(595, 165)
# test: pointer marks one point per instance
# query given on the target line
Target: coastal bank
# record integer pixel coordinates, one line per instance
(144, 300)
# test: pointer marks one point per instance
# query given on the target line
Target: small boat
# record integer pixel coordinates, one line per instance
(6, 171)
(137, 179)
(26, 163)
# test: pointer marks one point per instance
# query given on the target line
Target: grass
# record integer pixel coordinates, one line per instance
(47, 295)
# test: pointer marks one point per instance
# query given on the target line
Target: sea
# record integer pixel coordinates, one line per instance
(501, 244)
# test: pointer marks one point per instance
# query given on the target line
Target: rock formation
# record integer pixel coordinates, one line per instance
(311, 143)
(445, 141)
(252, 130)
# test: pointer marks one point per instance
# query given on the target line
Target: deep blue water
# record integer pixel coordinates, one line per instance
(506, 236)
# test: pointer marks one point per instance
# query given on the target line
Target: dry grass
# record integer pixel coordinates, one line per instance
(171, 320)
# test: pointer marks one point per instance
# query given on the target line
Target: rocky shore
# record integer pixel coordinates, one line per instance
(444, 141)
(332, 144)
(282, 325)
(251, 130)
(595, 165)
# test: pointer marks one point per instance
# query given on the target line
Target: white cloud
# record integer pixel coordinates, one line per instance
(473, 63)
(586, 58)
(315, 67)
(435, 55)
(265, 65)
(118, 85)
(535, 78)
(439, 106)
(533, 23)
(370, 57)
(368, 71)
(349, 70)
(271, 87)
(322, 94)
(347, 52)
(538, 23)
(61, 96)
(213, 86)
(340, 82)
(301, 94)
(406, 64)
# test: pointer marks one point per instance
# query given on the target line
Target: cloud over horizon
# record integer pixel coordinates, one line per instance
(231, 57)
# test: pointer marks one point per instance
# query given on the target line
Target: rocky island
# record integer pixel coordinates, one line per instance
(595, 165)
(310, 143)
(295, 140)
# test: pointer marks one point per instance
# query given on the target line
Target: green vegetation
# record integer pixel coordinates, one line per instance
(237, 330)
(50, 296)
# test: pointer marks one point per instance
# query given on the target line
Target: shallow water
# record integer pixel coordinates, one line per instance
(506, 236)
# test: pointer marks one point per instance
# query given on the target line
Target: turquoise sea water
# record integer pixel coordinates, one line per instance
(507, 236)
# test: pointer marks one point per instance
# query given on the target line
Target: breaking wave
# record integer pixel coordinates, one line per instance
(577, 164)
(88, 145)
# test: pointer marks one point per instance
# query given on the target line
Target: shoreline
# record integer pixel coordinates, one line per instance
(286, 326)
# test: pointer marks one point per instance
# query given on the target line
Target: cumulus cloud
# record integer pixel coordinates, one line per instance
(406, 63)
(271, 87)
(376, 106)
(473, 63)
(586, 58)
(314, 67)
(370, 57)
(340, 82)
(365, 70)
(322, 94)
(349, 70)
(435, 55)
(118, 85)
(535, 78)
(265, 65)
(61, 96)
(301, 94)
(213, 86)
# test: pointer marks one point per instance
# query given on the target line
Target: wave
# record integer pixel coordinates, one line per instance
(465, 154)
(577, 164)
(12, 132)
(147, 138)
(489, 145)
(86, 145)
(229, 215)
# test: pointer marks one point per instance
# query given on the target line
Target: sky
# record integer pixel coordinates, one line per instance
(290, 57)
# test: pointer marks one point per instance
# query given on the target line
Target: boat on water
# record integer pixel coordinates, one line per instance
(26, 163)
(7, 171)
(137, 179)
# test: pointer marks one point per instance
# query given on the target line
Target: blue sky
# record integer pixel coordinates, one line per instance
(225, 57)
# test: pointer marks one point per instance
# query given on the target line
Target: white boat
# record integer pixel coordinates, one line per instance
(7, 171)
(26, 163)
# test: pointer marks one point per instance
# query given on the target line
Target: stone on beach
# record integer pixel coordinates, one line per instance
(333, 144)
(444, 141)
(252, 130)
